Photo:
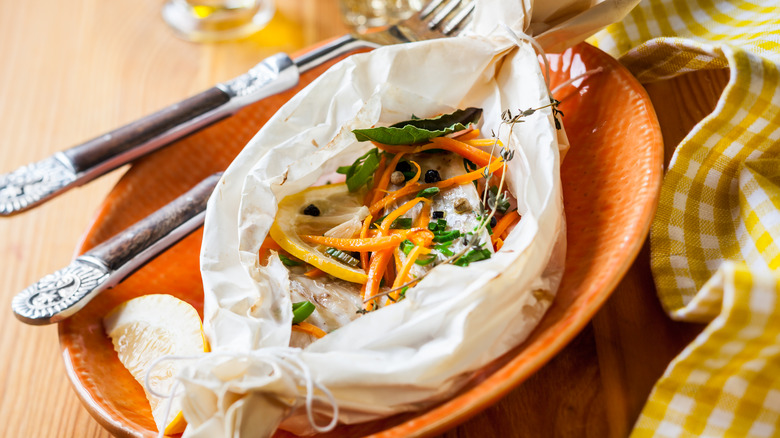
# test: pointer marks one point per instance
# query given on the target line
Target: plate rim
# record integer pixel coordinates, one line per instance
(466, 404)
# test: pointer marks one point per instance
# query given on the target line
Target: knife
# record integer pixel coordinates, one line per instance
(37, 182)
(63, 293)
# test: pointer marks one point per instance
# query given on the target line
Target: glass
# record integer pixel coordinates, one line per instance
(362, 14)
(217, 20)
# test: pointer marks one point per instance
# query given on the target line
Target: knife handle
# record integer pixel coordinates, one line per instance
(60, 295)
(110, 146)
(35, 183)
(136, 245)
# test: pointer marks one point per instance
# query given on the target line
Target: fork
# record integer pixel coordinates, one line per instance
(61, 294)
(37, 182)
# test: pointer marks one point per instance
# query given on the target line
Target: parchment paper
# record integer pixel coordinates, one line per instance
(456, 320)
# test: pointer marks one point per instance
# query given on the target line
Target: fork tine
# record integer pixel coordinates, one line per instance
(457, 20)
(429, 8)
(441, 15)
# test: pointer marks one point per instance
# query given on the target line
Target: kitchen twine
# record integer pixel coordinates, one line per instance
(518, 37)
(281, 359)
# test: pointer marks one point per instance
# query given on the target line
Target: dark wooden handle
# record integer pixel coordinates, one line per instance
(120, 140)
(159, 228)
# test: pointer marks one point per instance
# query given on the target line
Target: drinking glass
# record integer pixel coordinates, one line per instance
(362, 14)
(217, 20)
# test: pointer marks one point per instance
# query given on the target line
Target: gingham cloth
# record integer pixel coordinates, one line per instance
(715, 241)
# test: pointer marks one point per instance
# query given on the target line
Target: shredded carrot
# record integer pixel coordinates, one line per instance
(425, 216)
(416, 176)
(363, 235)
(311, 329)
(379, 171)
(467, 134)
(265, 249)
(403, 273)
(379, 262)
(483, 142)
(395, 214)
(314, 273)
(356, 244)
(409, 189)
(504, 223)
(412, 233)
(478, 156)
(498, 243)
(421, 236)
(384, 180)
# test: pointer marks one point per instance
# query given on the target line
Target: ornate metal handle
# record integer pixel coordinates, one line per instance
(63, 293)
(35, 183)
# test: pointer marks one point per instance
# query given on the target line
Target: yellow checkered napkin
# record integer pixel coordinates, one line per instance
(715, 242)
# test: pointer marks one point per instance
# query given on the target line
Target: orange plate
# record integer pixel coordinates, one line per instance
(611, 179)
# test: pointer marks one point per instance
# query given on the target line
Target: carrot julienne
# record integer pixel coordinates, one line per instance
(469, 134)
(311, 329)
(379, 171)
(416, 176)
(384, 179)
(425, 216)
(356, 244)
(363, 235)
(314, 273)
(403, 273)
(483, 142)
(504, 223)
(376, 271)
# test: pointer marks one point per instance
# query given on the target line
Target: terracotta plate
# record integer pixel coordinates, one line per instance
(611, 180)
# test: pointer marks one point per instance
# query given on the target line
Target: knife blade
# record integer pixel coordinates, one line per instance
(35, 183)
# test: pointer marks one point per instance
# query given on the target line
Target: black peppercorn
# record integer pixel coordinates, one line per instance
(432, 176)
(311, 210)
(437, 214)
(403, 166)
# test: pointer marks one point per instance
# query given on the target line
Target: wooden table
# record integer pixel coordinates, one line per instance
(73, 70)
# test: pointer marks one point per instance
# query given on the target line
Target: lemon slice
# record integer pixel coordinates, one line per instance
(335, 205)
(146, 328)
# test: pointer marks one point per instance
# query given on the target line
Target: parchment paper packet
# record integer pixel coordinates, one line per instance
(456, 320)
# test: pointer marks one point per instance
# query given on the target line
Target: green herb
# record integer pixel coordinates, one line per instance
(439, 225)
(422, 261)
(286, 261)
(402, 223)
(407, 246)
(473, 255)
(444, 248)
(445, 236)
(418, 130)
(498, 201)
(361, 171)
(301, 311)
(430, 192)
(342, 256)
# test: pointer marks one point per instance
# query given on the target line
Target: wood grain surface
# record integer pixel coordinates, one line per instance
(73, 70)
